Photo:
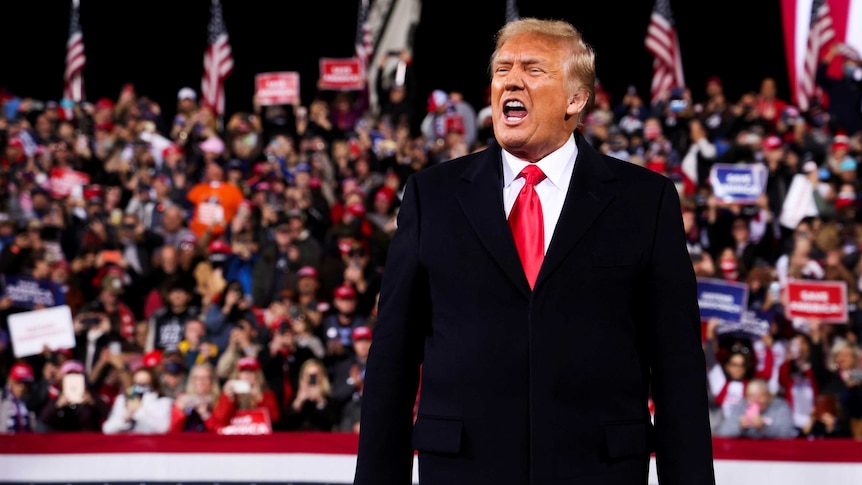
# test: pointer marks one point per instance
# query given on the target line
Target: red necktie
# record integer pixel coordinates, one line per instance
(527, 223)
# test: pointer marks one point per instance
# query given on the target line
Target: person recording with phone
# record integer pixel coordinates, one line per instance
(245, 389)
(313, 408)
(75, 408)
(93, 335)
(760, 415)
(193, 409)
(844, 92)
(142, 409)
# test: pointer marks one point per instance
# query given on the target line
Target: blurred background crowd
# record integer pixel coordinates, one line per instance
(215, 265)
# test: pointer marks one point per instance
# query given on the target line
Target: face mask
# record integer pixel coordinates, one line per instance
(853, 72)
(651, 132)
(728, 268)
(139, 390)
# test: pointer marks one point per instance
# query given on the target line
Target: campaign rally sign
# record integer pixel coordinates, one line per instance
(251, 421)
(26, 292)
(30, 332)
(341, 74)
(752, 324)
(739, 183)
(274, 88)
(725, 300)
(64, 181)
(824, 300)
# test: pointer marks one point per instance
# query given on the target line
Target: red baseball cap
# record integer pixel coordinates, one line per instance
(357, 210)
(22, 372)
(72, 366)
(248, 363)
(104, 103)
(840, 142)
(152, 358)
(306, 271)
(172, 150)
(345, 292)
(772, 142)
(220, 246)
(361, 332)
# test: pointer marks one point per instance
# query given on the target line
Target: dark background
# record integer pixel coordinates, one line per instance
(158, 44)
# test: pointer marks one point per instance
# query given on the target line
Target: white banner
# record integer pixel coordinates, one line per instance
(32, 331)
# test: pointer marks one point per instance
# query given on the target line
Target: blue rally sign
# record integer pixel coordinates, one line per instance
(740, 183)
(725, 300)
(26, 292)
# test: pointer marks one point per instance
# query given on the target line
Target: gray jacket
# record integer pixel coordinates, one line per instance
(777, 417)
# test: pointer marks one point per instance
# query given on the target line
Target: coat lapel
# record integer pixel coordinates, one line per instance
(481, 199)
(588, 195)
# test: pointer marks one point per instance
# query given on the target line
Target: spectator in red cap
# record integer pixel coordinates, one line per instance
(245, 389)
(15, 414)
(75, 408)
(348, 380)
(383, 213)
(142, 409)
(339, 324)
(307, 296)
(313, 408)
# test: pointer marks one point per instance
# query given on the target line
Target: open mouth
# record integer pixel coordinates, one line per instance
(514, 110)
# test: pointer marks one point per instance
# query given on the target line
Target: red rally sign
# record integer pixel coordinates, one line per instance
(824, 300)
(251, 421)
(341, 74)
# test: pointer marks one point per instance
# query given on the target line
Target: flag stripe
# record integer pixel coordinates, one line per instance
(796, 19)
(662, 42)
(364, 36)
(73, 75)
(218, 62)
(820, 37)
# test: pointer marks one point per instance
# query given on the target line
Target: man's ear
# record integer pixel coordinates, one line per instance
(577, 102)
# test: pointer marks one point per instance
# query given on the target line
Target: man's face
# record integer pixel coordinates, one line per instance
(178, 297)
(172, 220)
(759, 396)
(361, 347)
(532, 108)
(306, 285)
(346, 306)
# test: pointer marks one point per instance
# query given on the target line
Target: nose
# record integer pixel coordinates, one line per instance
(513, 79)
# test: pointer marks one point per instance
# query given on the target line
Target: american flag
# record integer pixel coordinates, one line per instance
(512, 11)
(218, 62)
(820, 37)
(364, 35)
(75, 60)
(662, 42)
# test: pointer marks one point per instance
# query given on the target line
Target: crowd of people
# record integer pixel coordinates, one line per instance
(215, 266)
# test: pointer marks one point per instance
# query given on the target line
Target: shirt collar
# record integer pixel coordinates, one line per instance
(553, 165)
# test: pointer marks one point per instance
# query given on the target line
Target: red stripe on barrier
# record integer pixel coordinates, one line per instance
(294, 442)
(825, 450)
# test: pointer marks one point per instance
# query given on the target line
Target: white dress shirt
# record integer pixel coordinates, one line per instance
(558, 168)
